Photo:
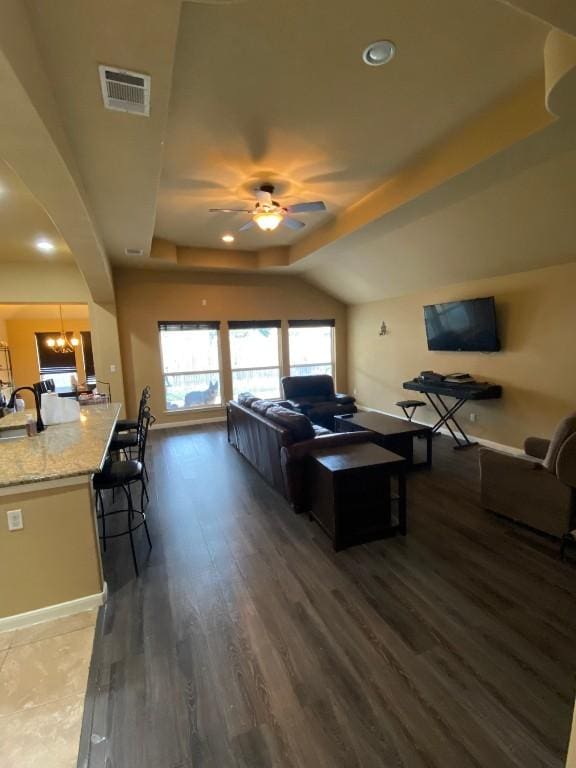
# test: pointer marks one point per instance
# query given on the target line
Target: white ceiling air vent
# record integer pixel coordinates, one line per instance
(133, 251)
(125, 91)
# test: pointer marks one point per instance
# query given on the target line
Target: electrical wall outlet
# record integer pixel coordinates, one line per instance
(15, 521)
(112, 368)
(473, 417)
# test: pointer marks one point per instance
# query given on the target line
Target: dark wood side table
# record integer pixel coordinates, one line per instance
(352, 493)
(394, 434)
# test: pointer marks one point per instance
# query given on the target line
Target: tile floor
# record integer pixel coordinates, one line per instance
(43, 675)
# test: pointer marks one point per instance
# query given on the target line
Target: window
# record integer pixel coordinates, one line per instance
(255, 357)
(89, 370)
(191, 364)
(58, 366)
(311, 347)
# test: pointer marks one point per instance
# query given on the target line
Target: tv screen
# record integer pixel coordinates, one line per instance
(462, 326)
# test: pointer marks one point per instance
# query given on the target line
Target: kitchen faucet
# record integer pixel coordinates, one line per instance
(11, 403)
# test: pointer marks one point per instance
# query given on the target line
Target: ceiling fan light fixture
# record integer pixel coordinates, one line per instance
(379, 53)
(268, 220)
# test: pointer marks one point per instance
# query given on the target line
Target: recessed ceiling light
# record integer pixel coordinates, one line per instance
(45, 246)
(378, 53)
(228, 238)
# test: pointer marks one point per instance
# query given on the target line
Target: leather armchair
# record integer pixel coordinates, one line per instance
(314, 396)
(538, 487)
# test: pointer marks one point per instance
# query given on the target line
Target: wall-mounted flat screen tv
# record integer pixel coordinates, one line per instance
(462, 326)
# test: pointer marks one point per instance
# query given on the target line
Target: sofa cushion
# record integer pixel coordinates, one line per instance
(345, 399)
(563, 431)
(262, 406)
(299, 426)
(246, 399)
(304, 387)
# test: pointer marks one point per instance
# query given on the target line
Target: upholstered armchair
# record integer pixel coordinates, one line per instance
(314, 396)
(537, 488)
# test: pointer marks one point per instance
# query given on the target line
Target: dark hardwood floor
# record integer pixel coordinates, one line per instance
(247, 641)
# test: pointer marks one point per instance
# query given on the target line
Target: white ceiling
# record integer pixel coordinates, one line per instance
(242, 95)
(285, 97)
(23, 221)
(512, 213)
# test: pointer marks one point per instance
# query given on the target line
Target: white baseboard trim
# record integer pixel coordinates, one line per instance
(480, 440)
(189, 423)
(51, 612)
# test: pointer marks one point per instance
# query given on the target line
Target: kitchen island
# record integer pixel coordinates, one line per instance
(52, 565)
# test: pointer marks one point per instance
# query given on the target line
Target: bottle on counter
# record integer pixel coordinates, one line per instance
(31, 428)
(19, 405)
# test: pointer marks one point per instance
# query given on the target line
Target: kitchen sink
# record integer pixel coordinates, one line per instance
(12, 434)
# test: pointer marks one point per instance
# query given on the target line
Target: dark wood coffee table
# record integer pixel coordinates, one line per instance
(352, 493)
(394, 434)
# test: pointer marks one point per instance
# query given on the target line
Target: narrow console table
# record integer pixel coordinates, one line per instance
(389, 432)
(435, 392)
(352, 493)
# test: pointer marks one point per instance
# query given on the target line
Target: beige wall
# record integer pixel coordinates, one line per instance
(59, 539)
(537, 370)
(145, 297)
(22, 343)
(106, 349)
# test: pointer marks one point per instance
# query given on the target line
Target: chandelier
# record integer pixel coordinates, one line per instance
(62, 343)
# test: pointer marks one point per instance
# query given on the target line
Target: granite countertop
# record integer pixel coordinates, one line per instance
(61, 451)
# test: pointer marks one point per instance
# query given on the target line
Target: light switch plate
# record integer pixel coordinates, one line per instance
(15, 521)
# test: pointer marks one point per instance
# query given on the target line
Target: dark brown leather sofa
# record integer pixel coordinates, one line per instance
(315, 397)
(278, 441)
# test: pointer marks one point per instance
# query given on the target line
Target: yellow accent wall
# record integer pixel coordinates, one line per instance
(536, 367)
(145, 297)
(22, 342)
(64, 284)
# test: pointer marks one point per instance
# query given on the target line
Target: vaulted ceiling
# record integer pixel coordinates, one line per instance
(24, 224)
(441, 166)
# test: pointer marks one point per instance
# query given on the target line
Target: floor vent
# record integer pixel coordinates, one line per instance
(125, 91)
(134, 252)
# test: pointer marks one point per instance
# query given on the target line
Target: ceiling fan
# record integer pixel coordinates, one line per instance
(268, 214)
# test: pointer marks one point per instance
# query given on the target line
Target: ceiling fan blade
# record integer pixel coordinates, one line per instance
(264, 198)
(229, 210)
(248, 225)
(307, 207)
(292, 223)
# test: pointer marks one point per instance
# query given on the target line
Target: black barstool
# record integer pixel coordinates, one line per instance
(126, 438)
(409, 407)
(129, 425)
(122, 474)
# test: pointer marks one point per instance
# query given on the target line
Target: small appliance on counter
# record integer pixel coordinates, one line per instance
(58, 410)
